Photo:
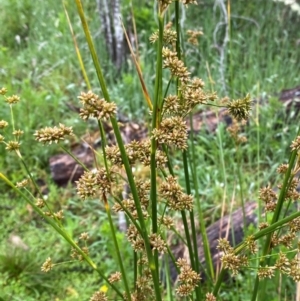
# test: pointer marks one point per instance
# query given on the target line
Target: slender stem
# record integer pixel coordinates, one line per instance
(72, 156)
(206, 246)
(193, 249)
(117, 249)
(103, 145)
(151, 262)
(155, 123)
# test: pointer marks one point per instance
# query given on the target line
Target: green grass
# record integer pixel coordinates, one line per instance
(261, 58)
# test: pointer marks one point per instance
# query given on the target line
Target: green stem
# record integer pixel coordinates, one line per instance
(75, 159)
(152, 264)
(206, 246)
(155, 123)
(103, 145)
(117, 249)
(193, 249)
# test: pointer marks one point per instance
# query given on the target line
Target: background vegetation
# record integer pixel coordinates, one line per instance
(38, 62)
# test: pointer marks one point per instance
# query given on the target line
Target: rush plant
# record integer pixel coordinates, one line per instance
(151, 205)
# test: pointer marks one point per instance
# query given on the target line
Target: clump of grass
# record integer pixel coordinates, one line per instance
(151, 205)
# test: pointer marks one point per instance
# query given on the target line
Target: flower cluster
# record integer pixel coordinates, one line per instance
(3, 124)
(12, 99)
(296, 144)
(99, 296)
(188, 278)
(93, 183)
(176, 199)
(229, 259)
(135, 239)
(169, 35)
(55, 134)
(115, 277)
(284, 265)
(3, 91)
(240, 109)
(157, 243)
(47, 265)
(95, 107)
(175, 65)
(13, 146)
(193, 95)
(129, 205)
(144, 290)
(193, 36)
(234, 131)
(172, 131)
(77, 255)
(210, 297)
(137, 151)
(269, 197)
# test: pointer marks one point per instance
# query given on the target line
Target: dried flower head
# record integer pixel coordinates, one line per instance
(282, 168)
(84, 236)
(163, 4)
(40, 203)
(265, 272)
(186, 2)
(295, 269)
(47, 265)
(251, 244)
(263, 225)
(267, 195)
(283, 264)
(135, 239)
(224, 245)
(192, 94)
(175, 65)
(3, 124)
(232, 262)
(234, 131)
(172, 105)
(172, 131)
(287, 240)
(95, 107)
(210, 297)
(93, 183)
(294, 225)
(157, 243)
(18, 133)
(176, 199)
(169, 36)
(167, 221)
(12, 99)
(55, 134)
(13, 146)
(99, 296)
(1, 138)
(296, 144)
(188, 278)
(193, 36)
(3, 91)
(23, 183)
(115, 277)
(240, 108)
(59, 215)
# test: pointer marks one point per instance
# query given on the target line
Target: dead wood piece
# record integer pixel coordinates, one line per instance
(65, 169)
